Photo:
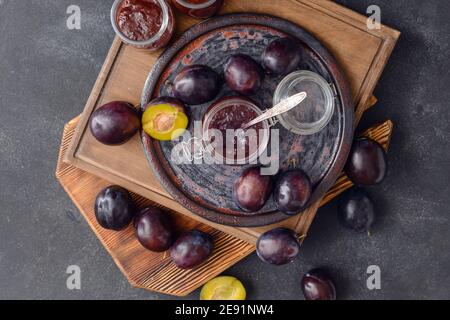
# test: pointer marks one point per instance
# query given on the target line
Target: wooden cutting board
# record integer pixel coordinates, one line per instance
(362, 54)
(154, 271)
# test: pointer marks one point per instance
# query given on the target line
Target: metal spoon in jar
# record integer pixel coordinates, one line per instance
(284, 106)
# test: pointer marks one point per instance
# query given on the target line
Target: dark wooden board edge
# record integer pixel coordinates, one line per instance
(387, 35)
(70, 155)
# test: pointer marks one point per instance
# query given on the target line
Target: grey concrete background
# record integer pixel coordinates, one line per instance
(46, 75)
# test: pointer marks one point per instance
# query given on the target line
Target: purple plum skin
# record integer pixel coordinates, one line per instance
(367, 163)
(356, 210)
(243, 74)
(196, 84)
(252, 190)
(114, 208)
(154, 229)
(115, 123)
(282, 56)
(191, 249)
(317, 285)
(292, 191)
(278, 246)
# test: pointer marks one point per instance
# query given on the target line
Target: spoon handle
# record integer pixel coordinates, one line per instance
(282, 107)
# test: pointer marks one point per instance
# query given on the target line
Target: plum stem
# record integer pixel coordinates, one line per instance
(302, 237)
(292, 163)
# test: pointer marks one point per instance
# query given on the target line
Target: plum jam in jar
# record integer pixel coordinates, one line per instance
(147, 24)
(199, 9)
(225, 140)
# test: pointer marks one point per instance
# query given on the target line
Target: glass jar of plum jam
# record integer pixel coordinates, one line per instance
(199, 9)
(315, 112)
(147, 24)
(224, 119)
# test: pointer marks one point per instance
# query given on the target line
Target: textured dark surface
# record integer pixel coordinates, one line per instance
(322, 155)
(47, 73)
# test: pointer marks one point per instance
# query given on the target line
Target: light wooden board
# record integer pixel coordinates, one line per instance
(362, 53)
(154, 271)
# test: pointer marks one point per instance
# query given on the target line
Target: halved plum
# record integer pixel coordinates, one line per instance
(165, 119)
(223, 288)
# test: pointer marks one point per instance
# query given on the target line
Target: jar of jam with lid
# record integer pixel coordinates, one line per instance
(147, 24)
(199, 9)
(236, 147)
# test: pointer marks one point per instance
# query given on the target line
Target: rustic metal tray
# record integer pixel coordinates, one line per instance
(207, 189)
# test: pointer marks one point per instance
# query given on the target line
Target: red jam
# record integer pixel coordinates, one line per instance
(141, 20)
(234, 117)
(199, 9)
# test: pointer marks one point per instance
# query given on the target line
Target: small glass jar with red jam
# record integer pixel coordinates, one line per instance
(224, 120)
(147, 24)
(199, 9)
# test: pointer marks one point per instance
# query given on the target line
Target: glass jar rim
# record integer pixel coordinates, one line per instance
(196, 5)
(222, 104)
(313, 127)
(165, 24)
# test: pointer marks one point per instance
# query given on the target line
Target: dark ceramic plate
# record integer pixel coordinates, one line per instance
(205, 189)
